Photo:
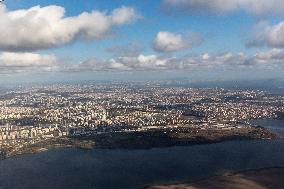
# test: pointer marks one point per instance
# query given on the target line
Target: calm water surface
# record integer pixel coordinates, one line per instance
(86, 169)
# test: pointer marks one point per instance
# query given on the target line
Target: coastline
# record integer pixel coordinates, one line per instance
(263, 178)
(143, 140)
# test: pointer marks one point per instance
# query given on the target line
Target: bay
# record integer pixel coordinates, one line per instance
(118, 168)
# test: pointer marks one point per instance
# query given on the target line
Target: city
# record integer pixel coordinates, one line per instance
(39, 117)
(149, 94)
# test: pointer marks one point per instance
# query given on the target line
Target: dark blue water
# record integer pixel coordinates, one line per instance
(86, 169)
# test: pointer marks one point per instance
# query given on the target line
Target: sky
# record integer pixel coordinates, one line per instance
(72, 40)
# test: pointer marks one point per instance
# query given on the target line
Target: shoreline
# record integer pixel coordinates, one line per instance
(141, 140)
(261, 178)
(39, 150)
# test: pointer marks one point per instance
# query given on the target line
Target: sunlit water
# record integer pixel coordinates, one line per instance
(98, 168)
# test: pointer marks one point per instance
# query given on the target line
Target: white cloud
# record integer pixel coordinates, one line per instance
(268, 59)
(254, 7)
(123, 15)
(170, 42)
(45, 27)
(272, 58)
(272, 54)
(16, 62)
(125, 63)
(267, 35)
(31, 62)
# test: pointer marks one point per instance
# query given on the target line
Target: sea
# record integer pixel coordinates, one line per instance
(72, 168)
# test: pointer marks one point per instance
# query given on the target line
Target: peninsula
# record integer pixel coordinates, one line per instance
(129, 115)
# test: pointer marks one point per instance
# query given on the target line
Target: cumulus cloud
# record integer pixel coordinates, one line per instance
(254, 7)
(267, 35)
(126, 63)
(45, 27)
(30, 62)
(11, 62)
(268, 59)
(271, 55)
(171, 42)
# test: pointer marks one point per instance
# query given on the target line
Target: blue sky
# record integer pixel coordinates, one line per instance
(217, 29)
(183, 36)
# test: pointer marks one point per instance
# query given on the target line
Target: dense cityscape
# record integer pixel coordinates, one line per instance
(32, 115)
(125, 94)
